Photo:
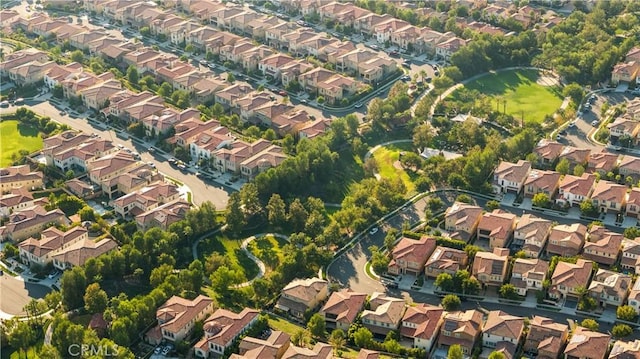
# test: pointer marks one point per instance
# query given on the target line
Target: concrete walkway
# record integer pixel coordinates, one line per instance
(377, 147)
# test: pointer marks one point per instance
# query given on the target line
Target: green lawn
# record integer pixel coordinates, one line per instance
(268, 249)
(15, 137)
(522, 93)
(282, 325)
(385, 158)
(230, 248)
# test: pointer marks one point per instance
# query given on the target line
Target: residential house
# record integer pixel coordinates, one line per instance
(289, 122)
(602, 162)
(461, 328)
(142, 174)
(490, 268)
(52, 241)
(610, 288)
(319, 351)
(301, 295)
(575, 156)
(385, 313)
(502, 327)
(445, 260)
(609, 197)
(221, 330)
(273, 346)
(342, 308)
(587, 344)
(272, 65)
(510, 177)
(77, 254)
(160, 123)
(531, 234)
(630, 166)
(528, 274)
(633, 203)
(421, 323)
(409, 255)
(461, 219)
(164, 215)
(603, 246)
(625, 350)
(625, 72)
(623, 127)
(540, 181)
(547, 153)
(229, 96)
(177, 317)
(16, 200)
(145, 199)
(446, 48)
(313, 129)
(29, 222)
(96, 97)
(292, 71)
(57, 73)
(545, 338)
(22, 57)
(270, 157)
(630, 254)
(634, 296)
(574, 190)
(569, 279)
(77, 158)
(497, 228)
(111, 166)
(566, 240)
(19, 176)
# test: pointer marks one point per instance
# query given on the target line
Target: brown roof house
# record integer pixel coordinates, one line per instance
(509, 177)
(633, 203)
(603, 246)
(302, 294)
(421, 323)
(462, 220)
(384, 315)
(602, 162)
(497, 228)
(445, 260)
(566, 240)
(221, 330)
(531, 234)
(575, 156)
(630, 254)
(342, 308)
(610, 288)
(545, 338)
(528, 274)
(547, 152)
(502, 327)
(409, 255)
(19, 176)
(319, 351)
(491, 267)
(461, 328)
(587, 344)
(273, 347)
(573, 189)
(52, 241)
(15, 200)
(625, 350)
(29, 222)
(540, 181)
(630, 167)
(609, 197)
(634, 296)
(177, 316)
(568, 278)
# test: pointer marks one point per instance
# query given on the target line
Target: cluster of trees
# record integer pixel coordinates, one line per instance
(391, 111)
(462, 282)
(362, 337)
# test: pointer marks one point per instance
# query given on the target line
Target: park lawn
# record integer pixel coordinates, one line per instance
(230, 248)
(386, 156)
(14, 137)
(268, 249)
(522, 93)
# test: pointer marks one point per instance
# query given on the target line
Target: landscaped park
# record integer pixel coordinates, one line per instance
(16, 137)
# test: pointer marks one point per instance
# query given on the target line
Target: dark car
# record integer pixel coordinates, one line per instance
(406, 64)
(282, 93)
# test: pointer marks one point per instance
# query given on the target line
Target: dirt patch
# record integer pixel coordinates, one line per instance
(547, 81)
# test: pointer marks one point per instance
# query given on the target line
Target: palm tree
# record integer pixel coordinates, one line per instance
(300, 338)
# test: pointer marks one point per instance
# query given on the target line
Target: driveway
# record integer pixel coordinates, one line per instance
(15, 294)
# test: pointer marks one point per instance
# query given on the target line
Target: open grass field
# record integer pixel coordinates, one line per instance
(229, 248)
(386, 156)
(525, 92)
(15, 137)
(268, 249)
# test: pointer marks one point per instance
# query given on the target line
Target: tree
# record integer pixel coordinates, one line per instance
(235, 216)
(337, 339)
(590, 324)
(621, 331)
(588, 208)
(390, 239)
(451, 302)
(230, 78)
(22, 336)
(10, 251)
(300, 337)
(541, 199)
(165, 89)
(276, 210)
(509, 291)
(444, 281)
(73, 285)
(455, 352)
(132, 75)
(317, 326)
(563, 166)
(77, 56)
(497, 355)
(362, 337)
(297, 215)
(57, 91)
(627, 313)
(95, 299)
(574, 91)
(492, 205)
(578, 170)
(422, 136)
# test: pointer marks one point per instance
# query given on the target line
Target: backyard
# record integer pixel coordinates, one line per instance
(389, 167)
(14, 137)
(520, 93)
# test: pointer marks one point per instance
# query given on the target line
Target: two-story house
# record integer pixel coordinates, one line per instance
(273, 346)
(531, 234)
(342, 308)
(528, 274)
(421, 323)
(547, 153)
(384, 313)
(602, 162)
(634, 296)
(221, 329)
(574, 190)
(461, 328)
(490, 268)
(409, 255)
(510, 177)
(540, 181)
(630, 254)
(575, 156)
(28, 222)
(502, 327)
(566, 240)
(18, 177)
(587, 344)
(301, 295)
(633, 203)
(610, 288)
(602, 246)
(461, 220)
(568, 279)
(445, 260)
(623, 127)
(177, 317)
(497, 228)
(609, 197)
(545, 338)
(622, 350)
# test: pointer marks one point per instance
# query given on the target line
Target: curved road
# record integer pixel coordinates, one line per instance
(16, 293)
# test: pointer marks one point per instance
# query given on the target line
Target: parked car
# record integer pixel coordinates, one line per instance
(4, 104)
(282, 93)
(157, 350)
(373, 230)
(304, 102)
(595, 123)
(358, 105)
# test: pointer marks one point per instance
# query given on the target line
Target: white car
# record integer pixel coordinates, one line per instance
(373, 230)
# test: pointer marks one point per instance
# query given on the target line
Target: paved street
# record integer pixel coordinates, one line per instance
(15, 294)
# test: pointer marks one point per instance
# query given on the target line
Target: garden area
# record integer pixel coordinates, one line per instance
(518, 93)
(238, 260)
(16, 137)
(268, 249)
(387, 159)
